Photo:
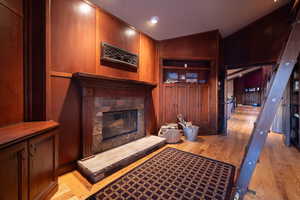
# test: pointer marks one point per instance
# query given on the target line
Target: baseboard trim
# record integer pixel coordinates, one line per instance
(66, 168)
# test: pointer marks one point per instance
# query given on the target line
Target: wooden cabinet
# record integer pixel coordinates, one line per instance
(170, 103)
(28, 157)
(13, 172)
(42, 165)
(295, 107)
(187, 87)
(190, 100)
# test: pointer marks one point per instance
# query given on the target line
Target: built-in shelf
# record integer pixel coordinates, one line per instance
(187, 68)
(186, 71)
(186, 62)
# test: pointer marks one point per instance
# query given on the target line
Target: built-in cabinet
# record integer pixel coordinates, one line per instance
(42, 164)
(28, 157)
(189, 100)
(185, 90)
(295, 107)
(14, 172)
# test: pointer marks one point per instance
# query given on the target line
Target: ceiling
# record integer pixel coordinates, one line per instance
(185, 17)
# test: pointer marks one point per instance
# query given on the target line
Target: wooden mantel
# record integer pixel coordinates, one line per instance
(94, 80)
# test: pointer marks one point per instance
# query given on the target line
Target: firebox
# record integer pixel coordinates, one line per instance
(119, 122)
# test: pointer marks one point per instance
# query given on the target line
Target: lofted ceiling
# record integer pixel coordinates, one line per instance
(185, 17)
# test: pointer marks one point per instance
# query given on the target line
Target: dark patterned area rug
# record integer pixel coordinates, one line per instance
(172, 174)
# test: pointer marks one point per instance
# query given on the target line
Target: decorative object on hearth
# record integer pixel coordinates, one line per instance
(190, 130)
(113, 55)
(173, 174)
(171, 133)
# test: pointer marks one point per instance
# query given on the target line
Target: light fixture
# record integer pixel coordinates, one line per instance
(130, 32)
(154, 20)
(84, 8)
(276, 1)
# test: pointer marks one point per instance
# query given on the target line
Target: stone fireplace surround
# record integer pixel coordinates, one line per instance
(110, 104)
(103, 94)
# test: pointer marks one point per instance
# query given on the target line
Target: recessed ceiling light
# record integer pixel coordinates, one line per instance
(130, 32)
(154, 20)
(84, 8)
(276, 1)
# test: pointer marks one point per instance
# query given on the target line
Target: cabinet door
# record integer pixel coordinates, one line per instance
(170, 103)
(198, 105)
(42, 165)
(194, 104)
(13, 172)
(204, 106)
(182, 100)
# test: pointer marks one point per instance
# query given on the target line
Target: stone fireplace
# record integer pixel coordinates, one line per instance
(117, 121)
(113, 111)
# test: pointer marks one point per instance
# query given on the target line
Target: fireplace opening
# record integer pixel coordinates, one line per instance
(118, 123)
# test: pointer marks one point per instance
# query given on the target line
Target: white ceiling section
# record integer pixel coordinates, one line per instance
(185, 17)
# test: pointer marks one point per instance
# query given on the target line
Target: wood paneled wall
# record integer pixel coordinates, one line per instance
(11, 57)
(198, 46)
(74, 37)
(251, 80)
(258, 43)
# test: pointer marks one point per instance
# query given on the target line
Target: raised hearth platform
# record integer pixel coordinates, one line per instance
(106, 163)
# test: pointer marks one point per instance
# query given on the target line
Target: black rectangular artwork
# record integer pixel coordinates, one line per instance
(119, 58)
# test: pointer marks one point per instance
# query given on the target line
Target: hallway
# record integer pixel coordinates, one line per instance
(277, 176)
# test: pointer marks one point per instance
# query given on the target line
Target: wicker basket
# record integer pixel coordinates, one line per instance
(172, 135)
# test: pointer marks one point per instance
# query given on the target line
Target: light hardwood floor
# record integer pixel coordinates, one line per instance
(277, 176)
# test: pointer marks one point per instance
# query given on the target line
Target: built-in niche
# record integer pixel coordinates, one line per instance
(186, 71)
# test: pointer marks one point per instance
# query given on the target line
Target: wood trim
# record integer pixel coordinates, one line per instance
(187, 69)
(48, 60)
(16, 133)
(88, 79)
(61, 74)
(87, 123)
(187, 58)
(15, 11)
(35, 60)
(247, 65)
(66, 168)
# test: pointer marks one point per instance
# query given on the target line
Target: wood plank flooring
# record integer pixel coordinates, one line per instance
(277, 176)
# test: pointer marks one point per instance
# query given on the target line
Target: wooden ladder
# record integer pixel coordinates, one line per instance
(286, 64)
